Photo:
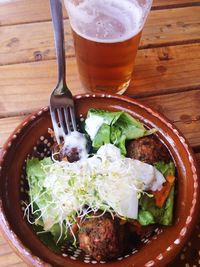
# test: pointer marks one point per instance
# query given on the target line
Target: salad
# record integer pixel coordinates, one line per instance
(102, 187)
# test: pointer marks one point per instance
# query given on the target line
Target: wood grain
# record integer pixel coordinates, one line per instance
(165, 4)
(165, 70)
(191, 131)
(7, 256)
(167, 27)
(37, 10)
(33, 82)
(31, 42)
(34, 42)
(177, 106)
(10, 259)
(157, 71)
(27, 11)
(7, 126)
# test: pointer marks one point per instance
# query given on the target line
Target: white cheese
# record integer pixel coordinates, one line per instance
(92, 125)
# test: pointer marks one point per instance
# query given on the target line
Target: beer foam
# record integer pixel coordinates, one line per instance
(106, 21)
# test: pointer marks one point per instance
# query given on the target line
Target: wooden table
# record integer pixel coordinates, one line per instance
(166, 76)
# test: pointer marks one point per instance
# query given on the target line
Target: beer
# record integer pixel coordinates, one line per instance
(106, 36)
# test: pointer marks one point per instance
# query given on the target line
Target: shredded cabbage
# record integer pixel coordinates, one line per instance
(107, 181)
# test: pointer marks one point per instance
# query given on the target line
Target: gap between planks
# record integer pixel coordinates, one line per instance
(43, 15)
(174, 90)
(173, 43)
(177, 5)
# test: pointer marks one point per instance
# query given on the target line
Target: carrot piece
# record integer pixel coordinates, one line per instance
(170, 179)
(161, 196)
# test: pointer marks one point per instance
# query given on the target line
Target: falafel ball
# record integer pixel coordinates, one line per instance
(148, 149)
(102, 237)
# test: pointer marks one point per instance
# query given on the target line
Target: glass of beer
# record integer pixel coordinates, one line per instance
(106, 36)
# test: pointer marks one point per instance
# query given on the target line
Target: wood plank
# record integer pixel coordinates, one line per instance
(5, 249)
(28, 11)
(170, 26)
(7, 256)
(166, 69)
(181, 107)
(33, 81)
(177, 107)
(173, 3)
(183, 110)
(157, 71)
(20, 264)
(2, 240)
(24, 11)
(191, 131)
(33, 42)
(10, 259)
(7, 125)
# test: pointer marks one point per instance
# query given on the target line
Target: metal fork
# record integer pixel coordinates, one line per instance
(61, 100)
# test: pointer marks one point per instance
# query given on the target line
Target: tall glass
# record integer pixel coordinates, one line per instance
(106, 37)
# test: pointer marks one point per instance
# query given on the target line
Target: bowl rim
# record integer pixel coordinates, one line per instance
(24, 252)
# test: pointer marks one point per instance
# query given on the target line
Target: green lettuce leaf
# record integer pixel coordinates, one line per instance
(145, 217)
(109, 117)
(116, 128)
(39, 197)
(37, 194)
(149, 213)
(102, 136)
(165, 168)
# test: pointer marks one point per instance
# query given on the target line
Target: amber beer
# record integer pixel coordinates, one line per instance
(106, 36)
(105, 66)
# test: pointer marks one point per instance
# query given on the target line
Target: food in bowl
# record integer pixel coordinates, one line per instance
(157, 247)
(102, 188)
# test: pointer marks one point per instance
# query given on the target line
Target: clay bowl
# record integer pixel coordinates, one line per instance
(32, 138)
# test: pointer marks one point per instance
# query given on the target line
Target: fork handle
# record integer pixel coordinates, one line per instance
(57, 19)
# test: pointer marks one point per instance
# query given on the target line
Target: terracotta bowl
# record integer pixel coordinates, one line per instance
(31, 138)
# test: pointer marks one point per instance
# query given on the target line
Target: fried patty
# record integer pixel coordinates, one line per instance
(103, 238)
(148, 149)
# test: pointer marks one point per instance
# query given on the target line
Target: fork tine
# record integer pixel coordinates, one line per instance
(73, 119)
(55, 126)
(61, 121)
(66, 114)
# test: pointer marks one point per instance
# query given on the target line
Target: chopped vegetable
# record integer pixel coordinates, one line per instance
(62, 193)
(161, 196)
(107, 181)
(149, 213)
(159, 209)
(105, 127)
(167, 169)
